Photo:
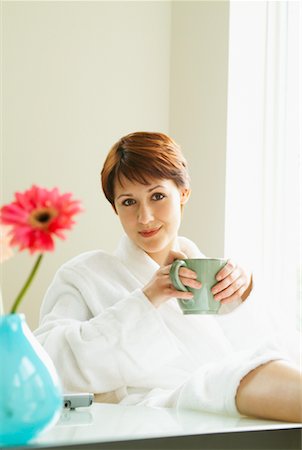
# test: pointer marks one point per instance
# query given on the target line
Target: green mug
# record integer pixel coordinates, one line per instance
(206, 270)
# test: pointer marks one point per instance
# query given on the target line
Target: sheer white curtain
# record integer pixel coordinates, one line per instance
(281, 147)
(263, 217)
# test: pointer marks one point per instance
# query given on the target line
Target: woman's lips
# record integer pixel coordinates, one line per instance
(149, 233)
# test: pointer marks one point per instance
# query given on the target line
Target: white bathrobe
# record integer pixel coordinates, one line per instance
(104, 335)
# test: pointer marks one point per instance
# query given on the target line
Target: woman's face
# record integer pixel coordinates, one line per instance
(150, 214)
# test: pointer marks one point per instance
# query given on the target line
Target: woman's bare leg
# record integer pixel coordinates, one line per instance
(271, 391)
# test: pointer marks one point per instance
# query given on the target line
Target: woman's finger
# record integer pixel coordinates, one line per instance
(190, 282)
(226, 282)
(234, 296)
(237, 285)
(183, 272)
(174, 255)
(226, 270)
(187, 273)
(187, 295)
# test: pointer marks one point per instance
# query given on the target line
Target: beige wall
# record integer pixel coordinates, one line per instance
(198, 113)
(78, 75)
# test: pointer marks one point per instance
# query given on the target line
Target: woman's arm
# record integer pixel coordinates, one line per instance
(121, 344)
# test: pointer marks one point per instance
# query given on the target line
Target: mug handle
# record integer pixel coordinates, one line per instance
(176, 265)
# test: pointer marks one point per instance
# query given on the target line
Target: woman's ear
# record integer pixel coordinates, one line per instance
(184, 195)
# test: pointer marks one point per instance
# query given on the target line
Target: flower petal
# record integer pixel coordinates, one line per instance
(37, 215)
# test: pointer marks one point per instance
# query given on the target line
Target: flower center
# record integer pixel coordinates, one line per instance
(40, 218)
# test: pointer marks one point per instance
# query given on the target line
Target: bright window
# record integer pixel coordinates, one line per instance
(263, 212)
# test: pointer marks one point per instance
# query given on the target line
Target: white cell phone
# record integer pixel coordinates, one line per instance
(72, 401)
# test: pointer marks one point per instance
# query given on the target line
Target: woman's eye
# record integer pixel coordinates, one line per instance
(128, 202)
(158, 196)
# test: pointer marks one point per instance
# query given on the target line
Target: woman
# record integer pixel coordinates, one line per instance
(111, 323)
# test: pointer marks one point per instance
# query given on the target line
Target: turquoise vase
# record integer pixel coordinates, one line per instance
(30, 394)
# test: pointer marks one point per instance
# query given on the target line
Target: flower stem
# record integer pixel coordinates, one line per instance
(26, 284)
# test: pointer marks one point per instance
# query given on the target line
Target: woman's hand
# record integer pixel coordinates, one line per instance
(233, 283)
(160, 287)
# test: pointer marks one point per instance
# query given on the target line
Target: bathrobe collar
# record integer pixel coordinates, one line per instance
(142, 265)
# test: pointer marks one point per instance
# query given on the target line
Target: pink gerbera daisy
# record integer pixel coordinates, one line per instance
(37, 215)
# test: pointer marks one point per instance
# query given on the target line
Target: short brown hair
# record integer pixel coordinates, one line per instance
(142, 156)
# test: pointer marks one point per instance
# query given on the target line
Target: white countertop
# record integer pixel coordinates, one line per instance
(107, 423)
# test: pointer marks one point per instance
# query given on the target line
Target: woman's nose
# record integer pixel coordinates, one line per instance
(145, 214)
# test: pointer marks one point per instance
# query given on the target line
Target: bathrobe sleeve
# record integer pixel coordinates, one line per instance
(100, 335)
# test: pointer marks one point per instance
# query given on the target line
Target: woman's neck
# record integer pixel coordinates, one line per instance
(161, 256)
